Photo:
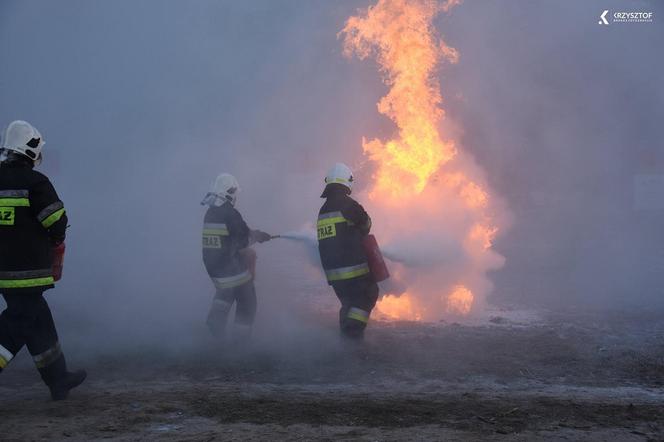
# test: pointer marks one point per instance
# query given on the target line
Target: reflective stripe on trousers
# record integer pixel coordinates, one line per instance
(229, 282)
(5, 357)
(26, 279)
(358, 314)
(48, 357)
(347, 272)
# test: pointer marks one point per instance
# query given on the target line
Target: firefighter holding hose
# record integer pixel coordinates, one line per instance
(228, 259)
(32, 224)
(343, 225)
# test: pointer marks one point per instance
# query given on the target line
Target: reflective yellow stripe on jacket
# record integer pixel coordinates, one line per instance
(25, 283)
(219, 229)
(350, 272)
(14, 202)
(51, 214)
(327, 224)
(14, 198)
(332, 218)
(26, 279)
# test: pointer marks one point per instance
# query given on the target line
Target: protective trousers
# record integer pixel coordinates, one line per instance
(245, 311)
(358, 297)
(27, 320)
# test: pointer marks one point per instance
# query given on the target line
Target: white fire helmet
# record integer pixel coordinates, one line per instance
(224, 188)
(340, 174)
(20, 136)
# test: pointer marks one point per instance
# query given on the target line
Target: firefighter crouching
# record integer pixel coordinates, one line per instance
(32, 223)
(229, 261)
(342, 225)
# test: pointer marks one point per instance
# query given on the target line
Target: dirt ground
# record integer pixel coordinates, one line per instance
(591, 377)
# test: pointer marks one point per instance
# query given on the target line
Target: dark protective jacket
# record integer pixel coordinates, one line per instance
(32, 221)
(342, 224)
(224, 234)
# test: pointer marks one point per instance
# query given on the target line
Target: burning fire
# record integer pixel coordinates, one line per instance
(400, 34)
(403, 307)
(460, 300)
(420, 185)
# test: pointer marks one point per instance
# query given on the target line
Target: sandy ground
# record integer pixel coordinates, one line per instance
(593, 377)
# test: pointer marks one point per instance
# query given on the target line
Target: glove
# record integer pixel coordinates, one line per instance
(260, 236)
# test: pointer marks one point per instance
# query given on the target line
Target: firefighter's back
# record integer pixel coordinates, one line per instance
(339, 239)
(24, 242)
(223, 237)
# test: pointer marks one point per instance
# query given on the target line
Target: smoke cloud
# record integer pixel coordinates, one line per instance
(141, 104)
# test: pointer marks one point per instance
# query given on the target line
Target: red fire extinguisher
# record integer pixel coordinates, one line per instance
(375, 258)
(58, 261)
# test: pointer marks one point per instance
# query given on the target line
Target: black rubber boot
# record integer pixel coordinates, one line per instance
(352, 330)
(71, 379)
(59, 380)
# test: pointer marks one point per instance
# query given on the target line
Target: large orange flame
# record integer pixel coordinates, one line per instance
(400, 33)
(414, 171)
(420, 186)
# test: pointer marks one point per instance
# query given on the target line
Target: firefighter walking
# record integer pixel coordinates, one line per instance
(228, 259)
(32, 223)
(342, 225)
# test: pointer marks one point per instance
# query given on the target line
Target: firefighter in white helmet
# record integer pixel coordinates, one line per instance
(342, 225)
(32, 222)
(228, 259)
